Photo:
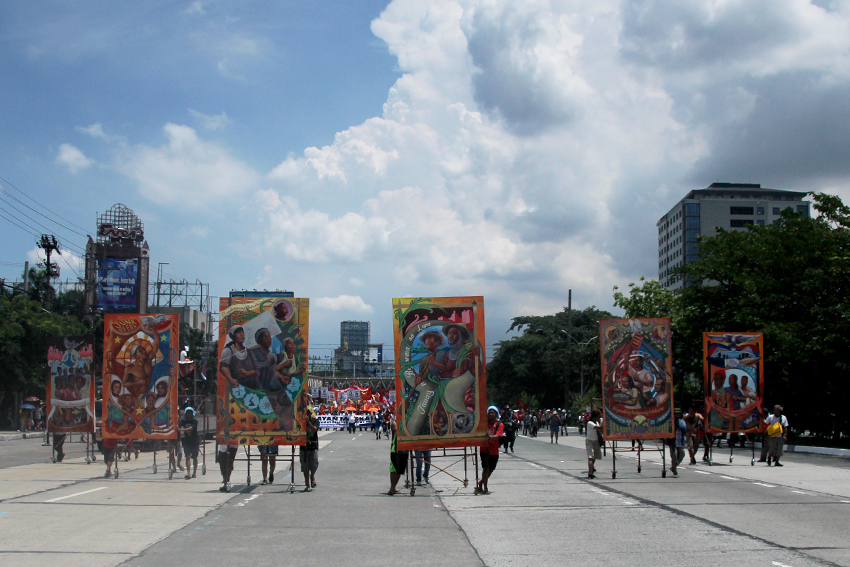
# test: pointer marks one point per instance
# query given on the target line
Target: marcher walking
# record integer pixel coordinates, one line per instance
(490, 452)
(777, 435)
(593, 442)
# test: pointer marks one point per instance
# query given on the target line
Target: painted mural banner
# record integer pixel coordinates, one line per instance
(70, 386)
(637, 378)
(440, 372)
(140, 376)
(734, 381)
(262, 373)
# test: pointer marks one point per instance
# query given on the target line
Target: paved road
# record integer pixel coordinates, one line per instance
(542, 509)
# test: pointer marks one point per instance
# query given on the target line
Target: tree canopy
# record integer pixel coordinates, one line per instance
(536, 366)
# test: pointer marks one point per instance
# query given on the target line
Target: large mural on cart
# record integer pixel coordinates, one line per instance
(637, 378)
(734, 381)
(140, 376)
(262, 372)
(70, 386)
(440, 371)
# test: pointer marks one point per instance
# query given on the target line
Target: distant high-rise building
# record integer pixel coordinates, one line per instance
(353, 348)
(724, 205)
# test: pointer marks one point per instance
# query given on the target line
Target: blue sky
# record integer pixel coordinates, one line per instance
(358, 151)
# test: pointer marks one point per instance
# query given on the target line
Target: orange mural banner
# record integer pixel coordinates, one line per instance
(262, 372)
(637, 378)
(734, 381)
(440, 372)
(70, 387)
(140, 376)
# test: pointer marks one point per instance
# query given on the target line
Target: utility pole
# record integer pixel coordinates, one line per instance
(569, 348)
(48, 243)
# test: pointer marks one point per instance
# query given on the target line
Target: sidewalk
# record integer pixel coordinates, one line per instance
(788, 448)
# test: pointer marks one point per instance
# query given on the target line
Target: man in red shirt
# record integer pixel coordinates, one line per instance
(490, 451)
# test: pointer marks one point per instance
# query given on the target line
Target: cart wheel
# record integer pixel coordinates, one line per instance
(154, 469)
(204, 469)
(465, 483)
(412, 490)
(614, 474)
(249, 480)
(116, 472)
(663, 474)
(638, 468)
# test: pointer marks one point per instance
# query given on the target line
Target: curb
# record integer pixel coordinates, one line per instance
(12, 436)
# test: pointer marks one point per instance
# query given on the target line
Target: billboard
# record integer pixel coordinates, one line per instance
(637, 378)
(262, 373)
(70, 386)
(440, 372)
(734, 381)
(117, 284)
(140, 376)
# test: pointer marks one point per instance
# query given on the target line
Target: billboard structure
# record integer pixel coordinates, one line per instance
(262, 373)
(140, 376)
(70, 387)
(734, 381)
(117, 263)
(440, 372)
(637, 378)
(117, 287)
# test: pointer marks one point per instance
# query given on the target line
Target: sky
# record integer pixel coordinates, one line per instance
(353, 152)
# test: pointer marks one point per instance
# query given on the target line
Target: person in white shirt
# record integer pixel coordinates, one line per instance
(592, 443)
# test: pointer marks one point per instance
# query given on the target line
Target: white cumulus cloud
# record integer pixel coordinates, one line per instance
(73, 158)
(187, 170)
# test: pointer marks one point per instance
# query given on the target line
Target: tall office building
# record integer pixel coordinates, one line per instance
(353, 351)
(724, 205)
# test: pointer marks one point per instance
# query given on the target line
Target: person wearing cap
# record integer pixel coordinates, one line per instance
(235, 364)
(490, 451)
(776, 435)
(459, 357)
(189, 428)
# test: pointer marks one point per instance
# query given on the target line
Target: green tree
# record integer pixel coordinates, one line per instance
(25, 328)
(536, 364)
(789, 280)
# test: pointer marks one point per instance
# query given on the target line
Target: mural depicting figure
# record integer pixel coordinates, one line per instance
(140, 376)
(440, 371)
(734, 381)
(262, 371)
(637, 378)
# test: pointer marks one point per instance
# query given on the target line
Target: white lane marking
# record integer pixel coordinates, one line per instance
(536, 466)
(728, 477)
(248, 500)
(77, 494)
(702, 472)
(799, 492)
(778, 564)
(765, 485)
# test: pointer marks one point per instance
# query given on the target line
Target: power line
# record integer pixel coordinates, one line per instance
(73, 246)
(30, 231)
(69, 265)
(40, 205)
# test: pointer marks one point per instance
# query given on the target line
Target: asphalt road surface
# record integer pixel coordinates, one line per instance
(542, 509)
